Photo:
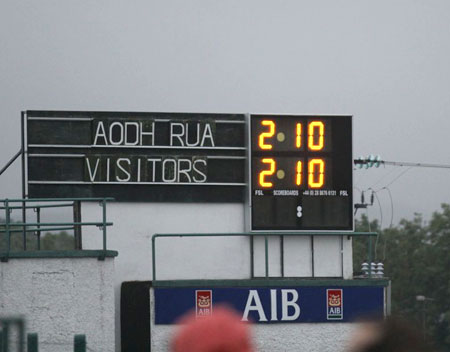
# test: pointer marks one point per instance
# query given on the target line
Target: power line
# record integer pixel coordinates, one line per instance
(384, 176)
(395, 179)
(381, 220)
(368, 219)
(392, 205)
(390, 226)
(405, 163)
(376, 161)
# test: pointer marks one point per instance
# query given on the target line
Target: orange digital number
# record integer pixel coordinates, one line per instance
(316, 179)
(298, 139)
(315, 143)
(265, 135)
(298, 177)
(264, 173)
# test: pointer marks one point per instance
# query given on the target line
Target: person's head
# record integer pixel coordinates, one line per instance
(387, 335)
(222, 332)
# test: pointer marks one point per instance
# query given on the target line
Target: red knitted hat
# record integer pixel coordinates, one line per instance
(222, 332)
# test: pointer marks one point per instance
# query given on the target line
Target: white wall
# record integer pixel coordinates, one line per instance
(204, 258)
(61, 297)
(188, 258)
(201, 258)
(302, 254)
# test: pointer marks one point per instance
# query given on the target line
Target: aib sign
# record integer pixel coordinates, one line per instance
(335, 308)
(203, 303)
(272, 304)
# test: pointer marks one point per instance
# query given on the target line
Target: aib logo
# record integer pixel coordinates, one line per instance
(335, 305)
(203, 303)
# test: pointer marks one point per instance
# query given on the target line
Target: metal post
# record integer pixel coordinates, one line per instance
(8, 164)
(154, 257)
(312, 256)
(24, 227)
(77, 228)
(342, 256)
(21, 325)
(266, 247)
(104, 224)
(32, 342)
(252, 259)
(79, 343)
(24, 211)
(370, 257)
(5, 344)
(388, 299)
(282, 255)
(38, 233)
(8, 233)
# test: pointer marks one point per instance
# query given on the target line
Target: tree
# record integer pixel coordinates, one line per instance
(439, 275)
(417, 261)
(49, 241)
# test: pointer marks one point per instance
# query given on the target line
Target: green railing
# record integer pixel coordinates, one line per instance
(38, 227)
(6, 325)
(266, 236)
(32, 344)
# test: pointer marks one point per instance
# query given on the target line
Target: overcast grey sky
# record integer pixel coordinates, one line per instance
(385, 62)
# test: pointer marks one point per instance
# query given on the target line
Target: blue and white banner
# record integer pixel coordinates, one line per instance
(272, 304)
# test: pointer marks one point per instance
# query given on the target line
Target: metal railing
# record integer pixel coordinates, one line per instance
(9, 227)
(266, 244)
(9, 163)
(7, 324)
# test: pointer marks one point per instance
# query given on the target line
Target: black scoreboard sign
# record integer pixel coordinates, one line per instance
(301, 170)
(299, 167)
(158, 157)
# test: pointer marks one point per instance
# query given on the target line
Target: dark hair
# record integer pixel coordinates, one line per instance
(397, 335)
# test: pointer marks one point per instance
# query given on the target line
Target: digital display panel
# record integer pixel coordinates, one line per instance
(301, 170)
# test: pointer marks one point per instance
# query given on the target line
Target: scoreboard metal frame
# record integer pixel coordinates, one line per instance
(250, 225)
(199, 157)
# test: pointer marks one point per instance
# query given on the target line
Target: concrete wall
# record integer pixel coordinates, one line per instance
(199, 258)
(187, 258)
(319, 337)
(61, 297)
(202, 258)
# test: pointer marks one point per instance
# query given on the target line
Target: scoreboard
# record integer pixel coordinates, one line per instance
(301, 170)
(295, 171)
